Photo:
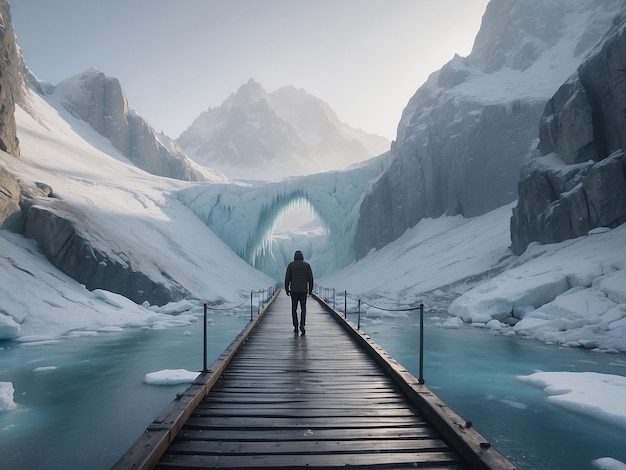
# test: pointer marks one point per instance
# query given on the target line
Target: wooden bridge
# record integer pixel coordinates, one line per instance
(331, 398)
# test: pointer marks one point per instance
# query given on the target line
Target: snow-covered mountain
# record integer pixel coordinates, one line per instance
(100, 101)
(463, 135)
(260, 135)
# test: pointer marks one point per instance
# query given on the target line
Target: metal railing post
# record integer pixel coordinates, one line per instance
(421, 377)
(251, 307)
(345, 304)
(204, 358)
(359, 316)
(334, 291)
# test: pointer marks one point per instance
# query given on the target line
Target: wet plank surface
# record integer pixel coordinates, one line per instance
(314, 401)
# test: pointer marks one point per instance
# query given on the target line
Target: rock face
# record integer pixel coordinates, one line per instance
(10, 213)
(575, 179)
(82, 253)
(260, 135)
(100, 101)
(12, 79)
(463, 136)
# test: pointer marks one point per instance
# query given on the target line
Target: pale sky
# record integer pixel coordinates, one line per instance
(177, 58)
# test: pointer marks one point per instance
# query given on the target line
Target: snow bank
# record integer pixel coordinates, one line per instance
(571, 293)
(598, 395)
(6, 396)
(170, 377)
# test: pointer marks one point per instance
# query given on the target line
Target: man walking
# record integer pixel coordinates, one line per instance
(298, 282)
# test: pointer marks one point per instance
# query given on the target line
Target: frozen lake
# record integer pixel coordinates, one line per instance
(82, 401)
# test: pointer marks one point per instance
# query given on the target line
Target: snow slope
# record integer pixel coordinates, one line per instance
(136, 211)
(571, 293)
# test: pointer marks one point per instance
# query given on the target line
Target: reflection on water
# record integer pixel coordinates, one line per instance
(474, 372)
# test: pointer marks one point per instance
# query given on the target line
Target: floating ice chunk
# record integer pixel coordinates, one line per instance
(590, 393)
(608, 463)
(9, 329)
(170, 377)
(494, 325)
(6, 396)
(452, 323)
(45, 368)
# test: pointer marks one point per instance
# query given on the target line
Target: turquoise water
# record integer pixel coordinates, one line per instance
(87, 411)
(474, 372)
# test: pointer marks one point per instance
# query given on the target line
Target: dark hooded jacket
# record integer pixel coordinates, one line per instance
(299, 276)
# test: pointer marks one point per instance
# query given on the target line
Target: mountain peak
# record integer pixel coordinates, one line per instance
(248, 93)
(255, 134)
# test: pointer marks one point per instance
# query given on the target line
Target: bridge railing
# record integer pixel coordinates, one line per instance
(328, 294)
(262, 297)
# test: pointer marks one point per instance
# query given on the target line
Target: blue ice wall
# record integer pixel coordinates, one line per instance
(244, 216)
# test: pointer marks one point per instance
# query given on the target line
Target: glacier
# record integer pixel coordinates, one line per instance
(245, 216)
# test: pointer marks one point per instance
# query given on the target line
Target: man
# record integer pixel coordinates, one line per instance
(298, 281)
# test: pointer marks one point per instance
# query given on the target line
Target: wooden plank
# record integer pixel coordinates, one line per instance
(279, 434)
(298, 422)
(365, 460)
(310, 447)
(300, 412)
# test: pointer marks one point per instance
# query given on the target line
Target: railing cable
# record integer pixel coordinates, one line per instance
(420, 307)
(270, 291)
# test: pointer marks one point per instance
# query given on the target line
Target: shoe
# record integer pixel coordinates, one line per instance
(295, 329)
(302, 330)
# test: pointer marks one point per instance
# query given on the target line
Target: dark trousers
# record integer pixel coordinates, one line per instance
(295, 298)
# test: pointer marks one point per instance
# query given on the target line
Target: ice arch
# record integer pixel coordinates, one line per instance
(244, 215)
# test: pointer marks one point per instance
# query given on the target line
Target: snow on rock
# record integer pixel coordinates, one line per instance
(598, 395)
(613, 285)
(507, 295)
(6, 396)
(570, 293)
(170, 377)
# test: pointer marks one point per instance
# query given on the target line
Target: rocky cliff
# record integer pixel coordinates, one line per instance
(82, 251)
(260, 135)
(12, 79)
(463, 136)
(88, 254)
(12, 73)
(575, 179)
(100, 101)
